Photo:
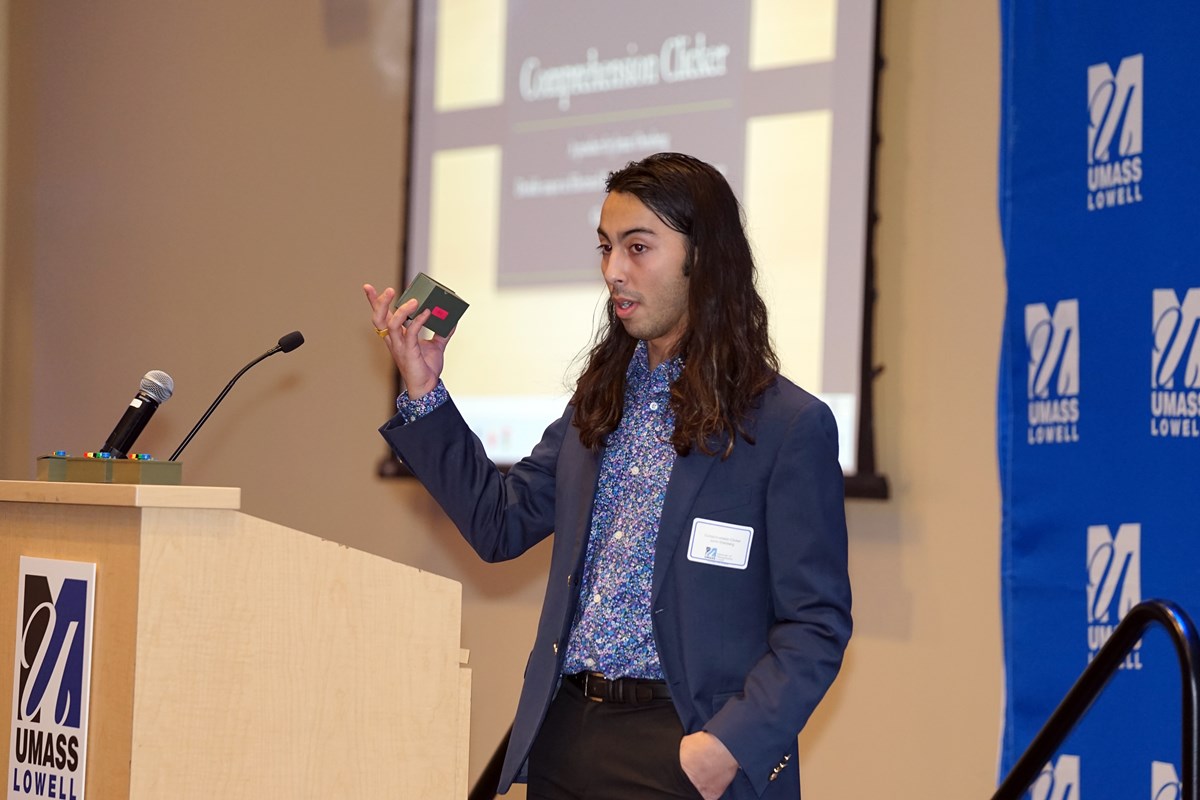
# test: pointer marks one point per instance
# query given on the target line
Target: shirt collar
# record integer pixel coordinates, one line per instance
(638, 372)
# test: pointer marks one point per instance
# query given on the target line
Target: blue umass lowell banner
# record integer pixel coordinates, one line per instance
(1099, 386)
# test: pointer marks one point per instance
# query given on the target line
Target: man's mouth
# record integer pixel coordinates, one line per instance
(623, 306)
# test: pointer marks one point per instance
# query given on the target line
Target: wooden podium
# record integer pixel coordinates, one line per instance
(236, 658)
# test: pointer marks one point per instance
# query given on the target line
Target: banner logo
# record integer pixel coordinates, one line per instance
(1175, 364)
(1058, 780)
(1164, 782)
(1052, 383)
(51, 676)
(1114, 157)
(1114, 584)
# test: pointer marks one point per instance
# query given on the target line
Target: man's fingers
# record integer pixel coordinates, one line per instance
(379, 304)
(373, 297)
(417, 324)
(408, 330)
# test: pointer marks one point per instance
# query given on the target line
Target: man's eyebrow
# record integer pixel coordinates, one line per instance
(626, 234)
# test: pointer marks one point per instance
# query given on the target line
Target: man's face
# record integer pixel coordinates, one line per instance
(642, 260)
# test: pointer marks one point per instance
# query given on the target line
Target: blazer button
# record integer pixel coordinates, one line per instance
(555, 646)
(569, 579)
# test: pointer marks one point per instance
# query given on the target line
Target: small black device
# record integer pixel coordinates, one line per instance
(445, 307)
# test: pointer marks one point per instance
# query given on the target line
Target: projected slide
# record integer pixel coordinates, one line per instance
(521, 109)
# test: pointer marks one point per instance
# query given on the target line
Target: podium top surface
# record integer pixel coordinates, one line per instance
(120, 494)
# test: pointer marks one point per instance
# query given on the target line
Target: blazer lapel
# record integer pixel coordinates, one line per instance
(582, 468)
(687, 476)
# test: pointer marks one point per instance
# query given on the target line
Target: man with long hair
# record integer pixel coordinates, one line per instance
(698, 603)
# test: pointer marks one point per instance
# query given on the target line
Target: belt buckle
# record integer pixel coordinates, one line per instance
(587, 687)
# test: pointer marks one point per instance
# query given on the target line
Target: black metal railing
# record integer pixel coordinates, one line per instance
(1093, 680)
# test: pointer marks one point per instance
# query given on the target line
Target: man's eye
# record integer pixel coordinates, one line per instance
(638, 248)
(604, 248)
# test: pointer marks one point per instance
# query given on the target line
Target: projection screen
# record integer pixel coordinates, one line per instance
(522, 108)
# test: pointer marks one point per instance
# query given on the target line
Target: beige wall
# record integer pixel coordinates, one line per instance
(188, 181)
(920, 697)
(3, 180)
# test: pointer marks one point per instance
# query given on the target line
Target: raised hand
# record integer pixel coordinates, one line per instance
(420, 360)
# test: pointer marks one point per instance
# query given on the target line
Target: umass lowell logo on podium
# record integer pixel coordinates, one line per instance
(51, 677)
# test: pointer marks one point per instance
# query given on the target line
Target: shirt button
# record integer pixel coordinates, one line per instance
(634, 470)
(618, 534)
(654, 406)
(595, 598)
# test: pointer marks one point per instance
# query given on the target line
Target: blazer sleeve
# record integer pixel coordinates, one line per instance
(810, 594)
(500, 515)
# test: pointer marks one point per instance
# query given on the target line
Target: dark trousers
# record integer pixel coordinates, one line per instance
(588, 750)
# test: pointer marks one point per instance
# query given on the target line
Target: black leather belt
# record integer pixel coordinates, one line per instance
(634, 691)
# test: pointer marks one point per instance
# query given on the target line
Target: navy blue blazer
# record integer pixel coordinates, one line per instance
(748, 653)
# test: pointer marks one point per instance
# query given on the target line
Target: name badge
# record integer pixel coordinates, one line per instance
(720, 544)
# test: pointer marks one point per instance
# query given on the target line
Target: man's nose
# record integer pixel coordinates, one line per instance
(614, 269)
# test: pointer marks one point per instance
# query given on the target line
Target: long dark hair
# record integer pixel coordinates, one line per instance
(726, 349)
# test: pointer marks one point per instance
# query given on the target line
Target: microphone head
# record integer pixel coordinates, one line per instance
(289, 342)
(158, 385)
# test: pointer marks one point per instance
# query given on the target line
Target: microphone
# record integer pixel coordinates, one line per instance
(157, 387)
(287, 343)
